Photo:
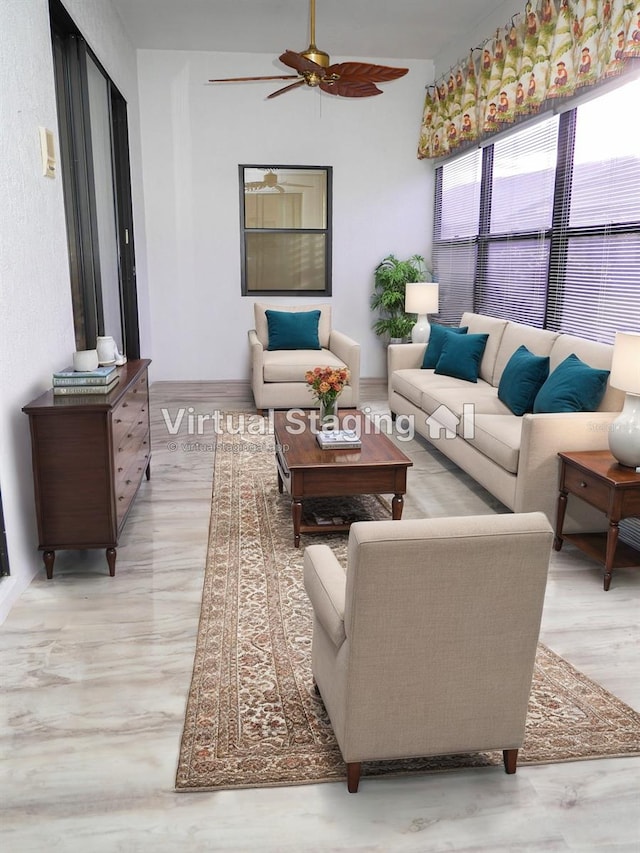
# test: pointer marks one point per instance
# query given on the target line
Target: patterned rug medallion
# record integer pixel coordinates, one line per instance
(252, 719)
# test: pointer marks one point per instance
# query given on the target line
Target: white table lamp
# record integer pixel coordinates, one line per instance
(421, 298)
(624, 435)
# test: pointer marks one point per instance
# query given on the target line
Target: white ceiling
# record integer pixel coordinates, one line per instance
(409, 29)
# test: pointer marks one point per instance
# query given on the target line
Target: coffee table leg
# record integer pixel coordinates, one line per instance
(397, 505)
(296, 513)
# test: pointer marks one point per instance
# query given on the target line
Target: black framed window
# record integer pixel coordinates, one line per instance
(556, 241)
(285, 225)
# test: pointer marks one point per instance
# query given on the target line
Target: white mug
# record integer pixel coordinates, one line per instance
(85, 359)
(107, 350)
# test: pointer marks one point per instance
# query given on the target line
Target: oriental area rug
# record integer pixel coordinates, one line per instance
(252, 716)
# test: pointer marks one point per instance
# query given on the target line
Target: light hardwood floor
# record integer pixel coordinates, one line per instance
(95, 672)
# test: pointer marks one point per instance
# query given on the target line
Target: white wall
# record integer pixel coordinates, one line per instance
(35, 297)
(193, 138)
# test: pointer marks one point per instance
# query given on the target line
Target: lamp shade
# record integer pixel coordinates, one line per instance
(421, 297)
(625, 364)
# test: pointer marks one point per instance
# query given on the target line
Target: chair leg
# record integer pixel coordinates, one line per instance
(353, 776)
(510, 758)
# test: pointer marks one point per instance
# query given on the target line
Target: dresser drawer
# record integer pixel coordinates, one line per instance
(587, 487)
(128, 477)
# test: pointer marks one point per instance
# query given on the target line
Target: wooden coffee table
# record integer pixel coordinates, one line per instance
(307, 471)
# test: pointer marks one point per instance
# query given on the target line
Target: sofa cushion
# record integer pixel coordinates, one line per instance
(495, 328)
(436, 342)
(260, 320)
(465, 399)
(596, 355)
(521, 380)
(293, 330)
(498, 438)
(461, 356)
(572, 387)
(537, 341)
(411, 383)
(291, 365)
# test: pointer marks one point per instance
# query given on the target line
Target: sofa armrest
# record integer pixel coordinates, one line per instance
(325, 583)
(348, 350)
(543, 437)
(257, 375)
(403, 357)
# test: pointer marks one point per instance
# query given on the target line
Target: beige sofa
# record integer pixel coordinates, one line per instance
(277, 376)
(514, 458)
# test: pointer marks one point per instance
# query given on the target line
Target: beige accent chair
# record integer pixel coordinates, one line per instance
(277, 377)
(425, 645)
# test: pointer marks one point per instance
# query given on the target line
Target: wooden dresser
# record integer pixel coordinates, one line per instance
(89, 454)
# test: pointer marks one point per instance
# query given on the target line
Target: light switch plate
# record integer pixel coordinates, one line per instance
(48, 153)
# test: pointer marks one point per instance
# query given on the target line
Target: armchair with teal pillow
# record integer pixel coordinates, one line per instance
(287, 341)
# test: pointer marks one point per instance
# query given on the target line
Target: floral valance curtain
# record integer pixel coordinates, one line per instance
(554, 50)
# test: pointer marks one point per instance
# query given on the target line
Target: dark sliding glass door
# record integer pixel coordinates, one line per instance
(94, 155)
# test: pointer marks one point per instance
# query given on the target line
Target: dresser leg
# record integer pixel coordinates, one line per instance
(111, 560)
(48, 558)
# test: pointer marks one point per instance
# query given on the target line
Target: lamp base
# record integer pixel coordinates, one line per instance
(624, 435)
(421, 331)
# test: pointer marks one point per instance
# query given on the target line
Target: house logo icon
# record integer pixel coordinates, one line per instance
(444, 420)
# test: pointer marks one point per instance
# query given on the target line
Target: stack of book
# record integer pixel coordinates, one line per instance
(102, 380)
(338, 439)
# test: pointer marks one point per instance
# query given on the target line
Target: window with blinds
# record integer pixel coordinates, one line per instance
(543, 226)
(457, 219)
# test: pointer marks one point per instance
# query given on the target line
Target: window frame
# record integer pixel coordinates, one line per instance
(327, 232)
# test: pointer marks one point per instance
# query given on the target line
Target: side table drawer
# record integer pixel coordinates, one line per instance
(587, 487)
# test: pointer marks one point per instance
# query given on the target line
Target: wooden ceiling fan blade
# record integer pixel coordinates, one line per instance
(350, 88)
(301, 63)
(286, 89)
(366, 72)
(249, 79)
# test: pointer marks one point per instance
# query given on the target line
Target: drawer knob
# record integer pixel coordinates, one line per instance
(583, 485)
(118, 420)
(124, 405)
(120, 470)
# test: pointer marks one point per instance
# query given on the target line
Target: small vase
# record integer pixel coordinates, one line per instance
(329, 414)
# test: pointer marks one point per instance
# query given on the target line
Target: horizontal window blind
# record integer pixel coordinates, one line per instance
(593, 281)
(514, 285)
(457, 217)
(524, 168)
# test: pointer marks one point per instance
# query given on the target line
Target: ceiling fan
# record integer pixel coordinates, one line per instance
(348, 79)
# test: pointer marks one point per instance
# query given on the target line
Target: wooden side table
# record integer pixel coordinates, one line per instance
(594, 476)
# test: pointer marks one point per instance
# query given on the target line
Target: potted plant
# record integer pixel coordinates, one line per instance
(390, 277)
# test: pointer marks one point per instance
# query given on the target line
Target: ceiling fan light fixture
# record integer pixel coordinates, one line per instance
(314, 69)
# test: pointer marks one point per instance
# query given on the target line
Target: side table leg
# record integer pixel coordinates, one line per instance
(560, 511)
(612, 541)
(296, 512)
(111, 560)
(48, 558)
(397, 505)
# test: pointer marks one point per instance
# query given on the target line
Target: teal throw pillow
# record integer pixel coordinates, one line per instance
(461, 356)
(436, 341)
(572, 387)
(293, 329)
(521, 380)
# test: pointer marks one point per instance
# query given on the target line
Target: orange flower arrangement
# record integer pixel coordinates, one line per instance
(326, 383)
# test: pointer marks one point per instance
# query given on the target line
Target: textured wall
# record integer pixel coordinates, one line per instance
(193, 138)
(35, 299)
